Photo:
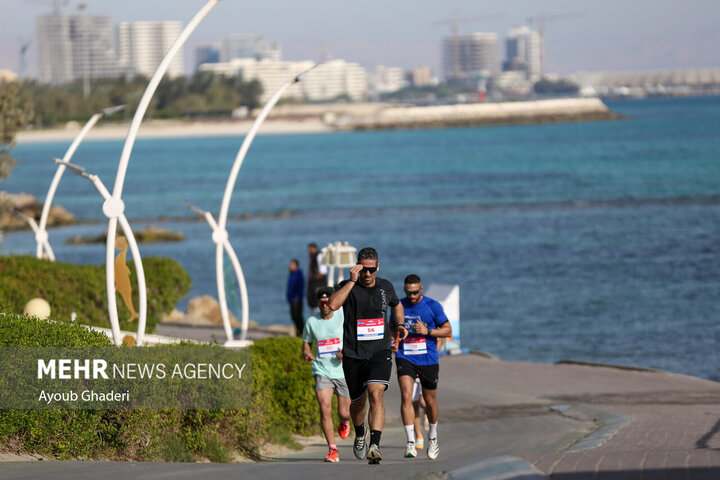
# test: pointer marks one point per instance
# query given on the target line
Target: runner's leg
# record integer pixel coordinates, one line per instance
(431, 405)
(377, 408)
(324, 398)
(343, 408)
(406, 406)
(357, 411)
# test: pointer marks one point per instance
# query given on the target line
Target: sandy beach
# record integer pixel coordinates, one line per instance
(174, 128)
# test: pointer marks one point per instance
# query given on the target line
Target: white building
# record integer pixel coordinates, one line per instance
(523, 52)
(329, 81)
(72, 47)
(421, 77)
(388, 79)
(466, 56)
(142, 46)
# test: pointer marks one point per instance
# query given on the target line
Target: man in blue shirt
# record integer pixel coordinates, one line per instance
(417, 357)
(294, 295)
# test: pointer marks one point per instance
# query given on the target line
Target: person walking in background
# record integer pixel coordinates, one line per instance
(367, 355)
(317, 275)
(417, 357)
(326, 331)
(294, 295)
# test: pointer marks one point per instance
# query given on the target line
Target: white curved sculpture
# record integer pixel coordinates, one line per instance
(132, 243)
(220, 235)
(41, 234)
(222, 238)
(114, 207)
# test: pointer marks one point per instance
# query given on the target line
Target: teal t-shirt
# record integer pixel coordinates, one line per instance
(328, 338)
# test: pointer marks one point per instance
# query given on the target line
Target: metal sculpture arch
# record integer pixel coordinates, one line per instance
(219, 232)
(114, 207)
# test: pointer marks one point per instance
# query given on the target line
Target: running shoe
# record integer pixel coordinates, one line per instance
(344, 430)
(373, 455)
(410, 451)
(419, 443)
(332, 456)
(360, 447)
(433, 449)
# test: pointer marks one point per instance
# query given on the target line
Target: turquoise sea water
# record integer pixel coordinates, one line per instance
(593, 241)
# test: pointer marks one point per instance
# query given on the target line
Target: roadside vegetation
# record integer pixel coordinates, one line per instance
(80, 289)
(283, 404)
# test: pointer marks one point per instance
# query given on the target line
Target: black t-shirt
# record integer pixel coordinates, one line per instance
(366, 330)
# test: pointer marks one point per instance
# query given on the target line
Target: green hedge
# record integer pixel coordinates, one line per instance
(283, 397)
(81, 288)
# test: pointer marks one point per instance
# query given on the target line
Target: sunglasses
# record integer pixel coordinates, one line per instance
(369, 270)
(408, 292)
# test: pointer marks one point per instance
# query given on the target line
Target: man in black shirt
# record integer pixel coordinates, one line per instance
(367, 357)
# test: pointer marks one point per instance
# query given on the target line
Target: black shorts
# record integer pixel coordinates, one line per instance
(358, 373)
(428, 374)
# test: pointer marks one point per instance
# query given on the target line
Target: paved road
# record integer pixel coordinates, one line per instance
(502, 420)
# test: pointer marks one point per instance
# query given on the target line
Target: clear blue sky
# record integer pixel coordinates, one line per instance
(603, 35)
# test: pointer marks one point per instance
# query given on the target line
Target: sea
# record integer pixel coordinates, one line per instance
(590, 241)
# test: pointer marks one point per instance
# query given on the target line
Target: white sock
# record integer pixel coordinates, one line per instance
(433, 431)
(410, 432)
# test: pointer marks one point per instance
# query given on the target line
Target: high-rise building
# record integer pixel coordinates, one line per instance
(467, 56)
(241, 45)
(72, 47)
(143, 45)
(207, 54)
(523, 52)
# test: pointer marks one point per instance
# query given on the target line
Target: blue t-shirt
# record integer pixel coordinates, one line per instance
(416, 348)
(328, 338)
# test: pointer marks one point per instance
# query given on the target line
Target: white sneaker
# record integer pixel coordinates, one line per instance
(373, 455)
(433, 448)
(410, 451)
(419, 443)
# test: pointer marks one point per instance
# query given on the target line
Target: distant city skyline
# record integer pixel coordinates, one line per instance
(586, 35)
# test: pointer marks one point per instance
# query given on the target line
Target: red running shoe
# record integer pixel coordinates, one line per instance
(344, 430)
(332, 456)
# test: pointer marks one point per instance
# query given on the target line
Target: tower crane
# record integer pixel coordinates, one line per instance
(24, 45)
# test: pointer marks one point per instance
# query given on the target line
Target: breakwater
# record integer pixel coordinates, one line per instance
(502, 113)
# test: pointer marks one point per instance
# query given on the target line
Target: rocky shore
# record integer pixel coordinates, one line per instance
(31, 207)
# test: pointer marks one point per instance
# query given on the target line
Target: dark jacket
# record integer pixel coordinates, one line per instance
(295, 286)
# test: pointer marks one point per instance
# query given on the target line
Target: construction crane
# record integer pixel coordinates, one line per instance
(540, 20)
(57, 4)
(453, 23)
(24, 45)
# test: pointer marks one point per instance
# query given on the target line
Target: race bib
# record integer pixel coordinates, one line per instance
(328, 347)
(370, 329)
(414, 346)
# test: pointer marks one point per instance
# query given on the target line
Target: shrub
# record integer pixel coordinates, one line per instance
(81, 288)
(283, 395)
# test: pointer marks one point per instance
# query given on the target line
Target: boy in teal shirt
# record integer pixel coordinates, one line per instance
(326, 330)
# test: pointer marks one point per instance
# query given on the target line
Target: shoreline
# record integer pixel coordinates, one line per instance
(175, 129)
(306, 119)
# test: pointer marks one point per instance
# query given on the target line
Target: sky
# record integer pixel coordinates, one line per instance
(586, 35)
